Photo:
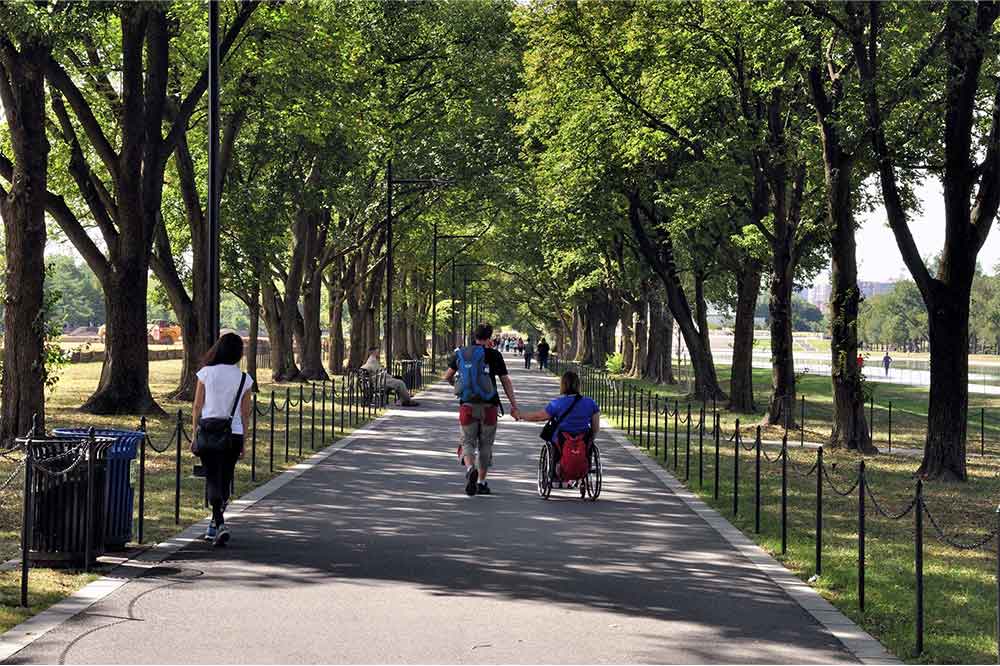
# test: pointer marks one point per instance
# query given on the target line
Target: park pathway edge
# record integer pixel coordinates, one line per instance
(856, 640)
(22, 635)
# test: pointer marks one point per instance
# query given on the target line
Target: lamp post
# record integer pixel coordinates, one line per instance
(434, 290)
(391, 181)
(212, 333)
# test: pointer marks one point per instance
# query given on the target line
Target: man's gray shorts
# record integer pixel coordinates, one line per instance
(479, 429)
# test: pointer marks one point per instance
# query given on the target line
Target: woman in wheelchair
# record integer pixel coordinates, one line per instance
(575, 416)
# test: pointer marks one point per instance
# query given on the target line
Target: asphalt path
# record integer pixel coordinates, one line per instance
(376, 555)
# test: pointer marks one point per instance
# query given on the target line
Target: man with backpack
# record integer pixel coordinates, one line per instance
(473, 371)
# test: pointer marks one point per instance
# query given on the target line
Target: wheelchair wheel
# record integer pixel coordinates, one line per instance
(545, 472)
(592, 484)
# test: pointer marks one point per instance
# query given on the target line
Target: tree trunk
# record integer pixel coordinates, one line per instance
(254, 334)
(628, 338)
(741, 398)
(948, 407)
(782, 402)
(22, 90)
(661, 257)
(281, 329)
(849, 427)
(584, 340)
(124, 384)
(312, 340)
(336, 363)
(659, 365)
(640, 337)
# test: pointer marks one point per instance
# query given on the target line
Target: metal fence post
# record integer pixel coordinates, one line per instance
(701, 447)
(677, 412)
(88, 537)
(919, 564)
(27, 519)
(819, 511)
(288, 418)
(736, 470)
(273, 405)
(784, 495)
(142, 479)
(253, 439)
(861, 535)
(756, 512)
(322, 411)
(301, 407)
(687, 447)
(641, 415)
(718, 428)
(656, 434)
(343, 397)
(312, 421)
(177, 467)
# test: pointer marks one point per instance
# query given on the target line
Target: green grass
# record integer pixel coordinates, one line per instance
(76, 382)
(960, 596)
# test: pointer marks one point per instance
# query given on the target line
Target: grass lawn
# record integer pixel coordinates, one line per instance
(77, 381)
(960, 595)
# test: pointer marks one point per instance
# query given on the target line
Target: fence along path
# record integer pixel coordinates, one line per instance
(376, 555)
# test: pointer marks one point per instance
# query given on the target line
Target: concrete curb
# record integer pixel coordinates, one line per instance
(17, 638)
(855, 639)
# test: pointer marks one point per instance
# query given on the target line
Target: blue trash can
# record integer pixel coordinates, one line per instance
(118, 491)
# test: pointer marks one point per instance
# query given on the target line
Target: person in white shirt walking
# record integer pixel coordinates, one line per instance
(223, 392)
(373, 365)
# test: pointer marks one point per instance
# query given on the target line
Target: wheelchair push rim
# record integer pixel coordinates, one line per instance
(592, 483)
(545, 472)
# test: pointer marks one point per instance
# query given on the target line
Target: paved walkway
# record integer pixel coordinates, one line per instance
(376, 555)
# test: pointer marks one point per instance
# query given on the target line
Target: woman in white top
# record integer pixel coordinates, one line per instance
(218, 383)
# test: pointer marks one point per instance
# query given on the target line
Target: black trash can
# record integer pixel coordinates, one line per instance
(59, 490)
(119, 495)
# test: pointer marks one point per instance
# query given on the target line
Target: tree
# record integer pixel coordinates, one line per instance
(119, 173)
(958, 58)
(24, 50)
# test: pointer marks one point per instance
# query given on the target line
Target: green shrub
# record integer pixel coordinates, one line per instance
(615, 364)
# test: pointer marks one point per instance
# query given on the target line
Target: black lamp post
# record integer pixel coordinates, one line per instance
(212, 332)
(391, 181)
(434, 290)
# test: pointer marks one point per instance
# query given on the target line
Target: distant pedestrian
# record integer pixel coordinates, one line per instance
(529, 353)
(886, 362)
(520, 346)
(543, 354)
(861, 361)
(221, 407)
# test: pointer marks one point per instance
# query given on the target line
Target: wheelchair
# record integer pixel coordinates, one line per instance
(548, 477)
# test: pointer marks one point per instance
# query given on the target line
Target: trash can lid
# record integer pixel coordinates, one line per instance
(123, 443)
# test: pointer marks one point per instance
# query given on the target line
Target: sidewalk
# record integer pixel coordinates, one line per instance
(377, 555)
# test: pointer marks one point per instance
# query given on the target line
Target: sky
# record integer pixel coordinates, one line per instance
(879, 259)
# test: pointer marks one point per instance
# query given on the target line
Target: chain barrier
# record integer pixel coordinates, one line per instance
(885, 514)
(149, 440)
(833, 486)
(768, 458)
(798, 470)
(945, 539)
(79, 451)
(13, 475)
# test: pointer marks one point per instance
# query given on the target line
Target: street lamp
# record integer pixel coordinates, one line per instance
(214, 181)
(434, 290)
(390, 181)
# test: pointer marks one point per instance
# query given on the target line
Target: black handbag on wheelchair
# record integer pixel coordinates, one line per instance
(550, 427)
(215, 434)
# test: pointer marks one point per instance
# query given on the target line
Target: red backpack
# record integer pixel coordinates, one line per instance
(573, 464)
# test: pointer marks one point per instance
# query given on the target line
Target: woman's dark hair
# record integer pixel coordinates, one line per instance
(570, 383)
(227, 350)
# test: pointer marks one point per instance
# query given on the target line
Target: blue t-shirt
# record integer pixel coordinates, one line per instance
(578, 419)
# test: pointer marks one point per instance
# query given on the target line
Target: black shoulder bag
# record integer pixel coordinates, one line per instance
(215, 434)
(549, 430)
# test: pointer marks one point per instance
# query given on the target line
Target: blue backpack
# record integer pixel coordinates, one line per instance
(473, 383)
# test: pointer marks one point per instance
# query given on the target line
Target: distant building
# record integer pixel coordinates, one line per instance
(819, 294)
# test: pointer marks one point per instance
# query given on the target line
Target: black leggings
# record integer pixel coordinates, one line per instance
(219, 471)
